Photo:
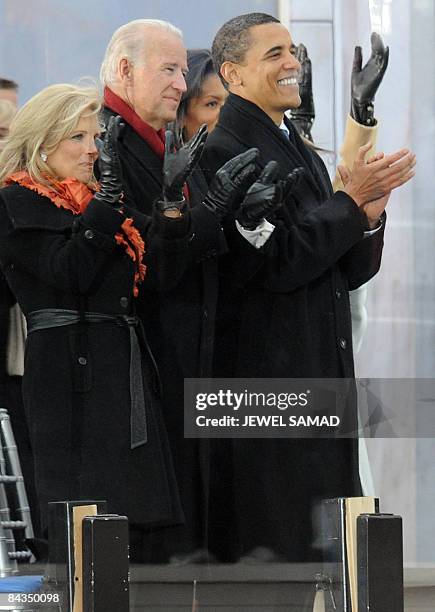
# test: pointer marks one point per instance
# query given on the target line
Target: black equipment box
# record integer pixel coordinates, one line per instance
(105, 563)
(380, 563)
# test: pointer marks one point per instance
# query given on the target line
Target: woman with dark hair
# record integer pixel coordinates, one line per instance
(204, 97)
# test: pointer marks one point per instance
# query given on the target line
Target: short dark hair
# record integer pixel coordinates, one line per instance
(200, 64)
(232, 40)
(8, 84)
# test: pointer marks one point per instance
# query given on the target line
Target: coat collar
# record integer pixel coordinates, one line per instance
(151, 163)
(30, 210)
(136, 146)
(251, 126)
(155, 138)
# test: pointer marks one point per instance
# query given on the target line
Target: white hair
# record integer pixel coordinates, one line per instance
(128, 42)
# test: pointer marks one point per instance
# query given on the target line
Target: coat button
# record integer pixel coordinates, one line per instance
(89, 234)
(82, 360)
(124, 302)
(337, 294)
(343, 343)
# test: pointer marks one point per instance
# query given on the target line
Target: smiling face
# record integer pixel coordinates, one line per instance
(154, 87)
(206, 107)
(75, 156)
(268, 75)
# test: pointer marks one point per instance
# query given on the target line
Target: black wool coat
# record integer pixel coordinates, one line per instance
(284, 312)
(6, 301)
(180, 328)
(11, 399)
(76, 387)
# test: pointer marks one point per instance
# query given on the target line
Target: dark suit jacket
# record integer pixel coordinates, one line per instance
(284, 312)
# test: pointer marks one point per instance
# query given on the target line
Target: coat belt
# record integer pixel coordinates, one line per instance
(59, 317)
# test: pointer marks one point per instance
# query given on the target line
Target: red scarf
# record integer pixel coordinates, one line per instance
(154, 138)
(75, 196)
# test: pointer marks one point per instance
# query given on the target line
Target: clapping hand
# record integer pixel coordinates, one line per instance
(230, 181)
(266, 195)
(178, 164)
(366, 80)
(370, 183)
(303, 116)
(108, 161)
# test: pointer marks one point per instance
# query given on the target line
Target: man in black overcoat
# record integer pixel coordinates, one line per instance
(143, 74)
(283, 307)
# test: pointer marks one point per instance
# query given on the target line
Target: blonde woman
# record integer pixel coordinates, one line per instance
(75, 256)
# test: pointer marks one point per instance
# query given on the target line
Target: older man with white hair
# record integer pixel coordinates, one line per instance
(143, 75)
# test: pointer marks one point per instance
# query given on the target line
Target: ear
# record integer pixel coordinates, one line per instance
(231, 73)
(125, 70)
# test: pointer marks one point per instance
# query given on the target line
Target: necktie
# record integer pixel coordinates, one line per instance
(283, 128)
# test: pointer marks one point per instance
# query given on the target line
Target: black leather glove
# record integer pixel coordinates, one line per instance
(108, 162)
(177, 166)
(365, 81)
(303, 116)
(231, 181)
(266, 195)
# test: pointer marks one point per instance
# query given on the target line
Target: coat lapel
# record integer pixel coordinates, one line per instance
(144, 156)
(248, 124)
(137, 148)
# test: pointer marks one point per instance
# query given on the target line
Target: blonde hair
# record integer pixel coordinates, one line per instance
(40, 125)
(129, 42)
(7, 111)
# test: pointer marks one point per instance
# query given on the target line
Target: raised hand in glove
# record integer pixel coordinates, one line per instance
(303, 116)
(266, 195)
(177, 166)
(108, 162)
(366, 80)
(231, 181)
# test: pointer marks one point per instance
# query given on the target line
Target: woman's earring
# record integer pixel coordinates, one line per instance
(43, 156)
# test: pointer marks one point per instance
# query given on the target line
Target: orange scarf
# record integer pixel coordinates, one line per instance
(75, 196)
